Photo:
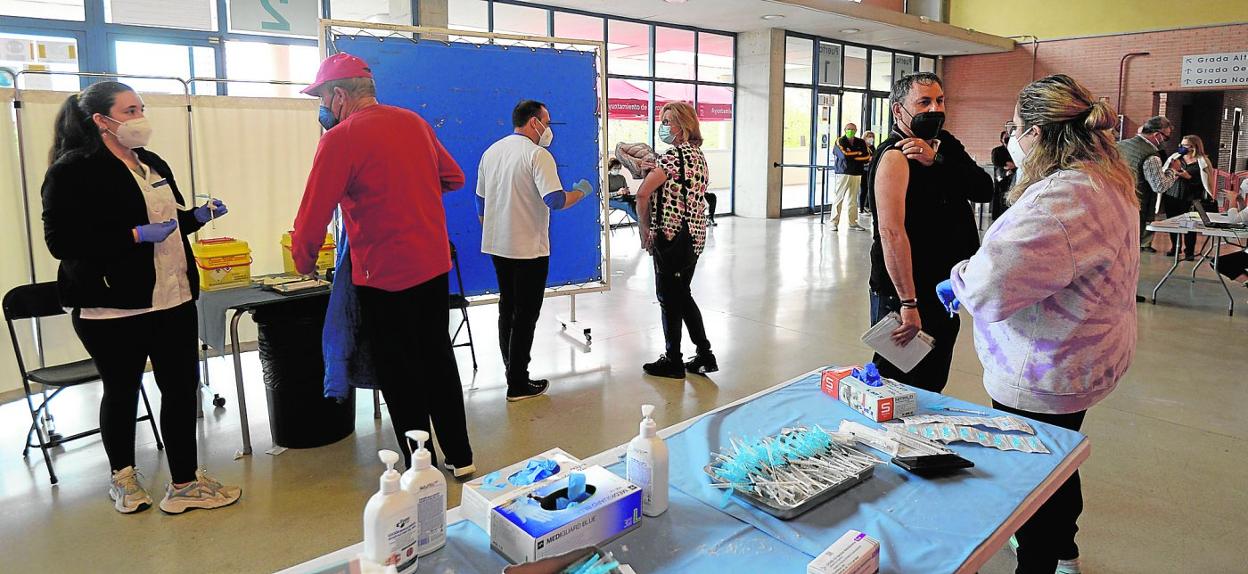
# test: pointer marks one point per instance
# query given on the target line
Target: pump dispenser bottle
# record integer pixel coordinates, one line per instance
(390, 521)
(428, 486)
(646, 465)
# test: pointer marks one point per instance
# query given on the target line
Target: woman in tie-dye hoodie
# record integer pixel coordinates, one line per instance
(1052, 288)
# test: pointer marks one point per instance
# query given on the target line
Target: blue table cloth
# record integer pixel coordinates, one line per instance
(923, 525)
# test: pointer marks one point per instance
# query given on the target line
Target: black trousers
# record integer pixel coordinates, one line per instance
(932, 373)
(1148, 211)
(1174, 206)
(121, 349)
(1233, 265)
(711, 201)
(415, 364)
(1049, 535)
(521, 290)
(674, 264)
(862, 192)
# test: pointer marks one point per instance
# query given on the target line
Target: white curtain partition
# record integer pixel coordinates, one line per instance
(252, 153)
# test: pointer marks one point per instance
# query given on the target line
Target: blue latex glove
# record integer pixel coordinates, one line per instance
(584, 187)
(210, 211)
(156, 232)
(944, 292)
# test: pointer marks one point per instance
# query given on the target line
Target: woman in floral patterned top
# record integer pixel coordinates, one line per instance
(672, 204)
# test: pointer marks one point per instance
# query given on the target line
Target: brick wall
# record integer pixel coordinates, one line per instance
(981, 89)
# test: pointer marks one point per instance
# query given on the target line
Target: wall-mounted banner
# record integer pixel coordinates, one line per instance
(282, 17)
(1215, 70)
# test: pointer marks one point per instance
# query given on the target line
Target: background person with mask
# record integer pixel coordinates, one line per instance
(1193, 173)
(1142, 154)
(1003, 168)
(386, 169)
(852, 157)
(672, 199)
(111, 215)
(620, 196)
(1050, 290)
(869, 138)
(517, 187)
(922, 183)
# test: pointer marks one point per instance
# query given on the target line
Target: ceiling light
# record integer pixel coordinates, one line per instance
(772, 16)
(850, 31)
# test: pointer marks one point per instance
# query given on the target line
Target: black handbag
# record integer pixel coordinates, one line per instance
(678, 252)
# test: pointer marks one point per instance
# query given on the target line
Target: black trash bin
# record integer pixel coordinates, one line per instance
(294, 375)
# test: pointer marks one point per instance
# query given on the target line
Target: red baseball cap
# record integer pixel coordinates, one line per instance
(340, 66)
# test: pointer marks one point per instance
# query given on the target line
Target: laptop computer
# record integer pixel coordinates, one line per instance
(1204, 219)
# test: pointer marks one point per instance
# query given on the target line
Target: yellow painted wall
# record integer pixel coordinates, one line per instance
(1069, 18)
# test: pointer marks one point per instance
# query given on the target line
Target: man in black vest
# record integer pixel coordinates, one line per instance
(1142, 154)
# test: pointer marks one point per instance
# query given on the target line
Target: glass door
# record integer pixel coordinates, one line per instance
(827, 124)
(880, 118)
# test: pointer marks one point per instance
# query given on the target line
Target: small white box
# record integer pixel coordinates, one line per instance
(477, 500)
(530, 528)
(854, 553)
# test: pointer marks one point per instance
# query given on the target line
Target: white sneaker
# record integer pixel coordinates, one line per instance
(857, 227)
(1068, 567)
(128, 495)
(203, 492)
(833, 228)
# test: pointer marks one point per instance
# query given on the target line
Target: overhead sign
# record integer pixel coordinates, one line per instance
(829, 64)
(1215, 70)
(282, 17)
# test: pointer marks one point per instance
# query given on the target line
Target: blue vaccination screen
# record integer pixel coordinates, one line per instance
(466, 92)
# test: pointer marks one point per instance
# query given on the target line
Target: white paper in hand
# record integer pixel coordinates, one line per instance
(880, 338)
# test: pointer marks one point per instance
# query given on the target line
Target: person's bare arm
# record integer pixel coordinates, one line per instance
(890, 200)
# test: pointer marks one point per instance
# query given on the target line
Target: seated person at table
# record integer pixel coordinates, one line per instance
(620, 196)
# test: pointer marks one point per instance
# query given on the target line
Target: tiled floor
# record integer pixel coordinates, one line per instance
(1165, 488)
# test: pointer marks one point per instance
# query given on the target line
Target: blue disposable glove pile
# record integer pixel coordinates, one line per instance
(576, 492)
(944, 292)
(156, 232)
(210, 211)
(537, 469)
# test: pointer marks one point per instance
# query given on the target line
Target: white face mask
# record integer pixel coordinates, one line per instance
(546, 137)
(1016, 151)
(132, 133)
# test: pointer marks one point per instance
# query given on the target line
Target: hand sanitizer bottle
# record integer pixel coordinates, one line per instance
(390, 521)
(429, 487)
(647, 465)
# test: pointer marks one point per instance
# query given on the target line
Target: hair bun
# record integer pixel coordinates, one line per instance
(1100, 117)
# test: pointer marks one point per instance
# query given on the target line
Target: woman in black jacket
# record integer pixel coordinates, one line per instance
(112, 216)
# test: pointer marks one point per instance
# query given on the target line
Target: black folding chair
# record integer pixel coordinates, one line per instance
(459, 301)
(31, 302)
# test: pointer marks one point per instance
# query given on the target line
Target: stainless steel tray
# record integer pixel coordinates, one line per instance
(789, 512)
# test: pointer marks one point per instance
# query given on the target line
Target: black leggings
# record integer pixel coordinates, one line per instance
(121, 348)
(1049, 535)
(416, 366)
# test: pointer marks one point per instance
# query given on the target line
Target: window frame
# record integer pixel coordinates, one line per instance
(869, 95)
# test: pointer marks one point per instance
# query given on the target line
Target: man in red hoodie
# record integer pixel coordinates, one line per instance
(387, 170)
